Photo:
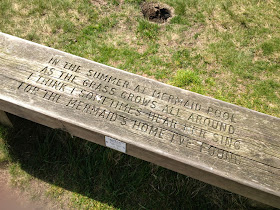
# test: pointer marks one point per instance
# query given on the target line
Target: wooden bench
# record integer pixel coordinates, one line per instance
(216, 142)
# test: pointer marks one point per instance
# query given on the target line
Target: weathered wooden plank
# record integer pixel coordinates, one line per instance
(4, 120)
(219, 143)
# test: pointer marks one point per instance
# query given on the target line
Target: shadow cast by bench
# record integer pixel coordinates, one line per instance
(109, 176)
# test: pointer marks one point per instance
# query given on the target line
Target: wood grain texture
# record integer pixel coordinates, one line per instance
(219, 143)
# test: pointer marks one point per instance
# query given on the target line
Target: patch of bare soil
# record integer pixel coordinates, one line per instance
(9, 199)
(156, 12)
(13, 198)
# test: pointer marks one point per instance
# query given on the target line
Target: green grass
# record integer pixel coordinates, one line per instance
(228, 50)
(147, 30)
(186, 78)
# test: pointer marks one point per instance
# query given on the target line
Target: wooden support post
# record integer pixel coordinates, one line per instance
(4, 120)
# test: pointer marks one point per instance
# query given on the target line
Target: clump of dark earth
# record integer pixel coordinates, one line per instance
(156, 12)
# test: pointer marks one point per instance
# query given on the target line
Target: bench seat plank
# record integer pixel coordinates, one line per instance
(216, 142)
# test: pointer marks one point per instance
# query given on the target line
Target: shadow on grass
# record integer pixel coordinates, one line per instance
(109, 176)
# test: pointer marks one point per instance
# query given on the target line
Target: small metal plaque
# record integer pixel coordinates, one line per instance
(115, 144)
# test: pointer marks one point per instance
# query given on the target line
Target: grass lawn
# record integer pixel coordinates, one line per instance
(228, 50)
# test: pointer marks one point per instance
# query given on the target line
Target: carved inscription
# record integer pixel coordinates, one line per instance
(157, 114)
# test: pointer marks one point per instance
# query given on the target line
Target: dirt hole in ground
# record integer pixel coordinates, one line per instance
(156, 12)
